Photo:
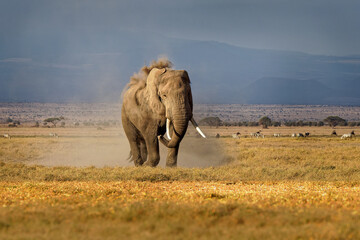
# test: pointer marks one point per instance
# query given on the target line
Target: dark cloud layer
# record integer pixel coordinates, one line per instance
(321, 27)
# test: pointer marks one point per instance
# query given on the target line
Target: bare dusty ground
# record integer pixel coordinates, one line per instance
(82, 147)
(114, 151)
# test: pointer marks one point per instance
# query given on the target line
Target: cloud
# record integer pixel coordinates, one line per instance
(16, 60)
(64, 66)
(46, 65)
(320, 27)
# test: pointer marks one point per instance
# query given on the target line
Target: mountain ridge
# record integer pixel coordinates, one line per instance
(84, 67)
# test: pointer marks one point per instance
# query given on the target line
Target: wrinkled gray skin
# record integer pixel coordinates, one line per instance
(166, 94)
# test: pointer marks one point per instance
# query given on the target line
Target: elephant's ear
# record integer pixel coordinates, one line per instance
(190, 98)
(152, 83)
(187, 81)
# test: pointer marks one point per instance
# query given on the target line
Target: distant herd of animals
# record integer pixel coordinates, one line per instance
(8, 136)
(258, 134)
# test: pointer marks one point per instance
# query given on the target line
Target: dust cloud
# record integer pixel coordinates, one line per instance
(114, 152)
(88, 151)
(198, 152)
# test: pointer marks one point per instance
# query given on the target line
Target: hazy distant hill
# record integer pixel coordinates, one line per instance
(84, 66)
(290, 91)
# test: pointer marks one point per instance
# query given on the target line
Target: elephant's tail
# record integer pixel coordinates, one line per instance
(129, 158)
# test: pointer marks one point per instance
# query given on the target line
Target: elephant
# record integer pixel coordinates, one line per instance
(157, 100)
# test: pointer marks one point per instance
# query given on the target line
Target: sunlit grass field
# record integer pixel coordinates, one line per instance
(271, 188)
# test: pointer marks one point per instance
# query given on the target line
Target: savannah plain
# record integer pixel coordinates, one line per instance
(80, 184)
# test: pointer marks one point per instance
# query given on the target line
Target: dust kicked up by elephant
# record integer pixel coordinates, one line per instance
(156, 101)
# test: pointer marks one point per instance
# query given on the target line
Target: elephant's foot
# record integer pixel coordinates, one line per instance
(148, 164)
(152, 162)
(138, 162)
(171, 164)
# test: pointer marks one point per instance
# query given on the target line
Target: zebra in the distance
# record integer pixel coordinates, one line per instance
(6, 135)
(348, 135)
(53, 135)
(259, 134)
(236, 135)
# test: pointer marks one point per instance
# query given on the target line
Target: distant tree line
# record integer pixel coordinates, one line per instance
(104, 123)
(12, 123)
(53, 120)
(301, 123)
(353, 124)
(265, 122)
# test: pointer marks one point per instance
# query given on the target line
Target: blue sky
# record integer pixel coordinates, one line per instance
(313, 26)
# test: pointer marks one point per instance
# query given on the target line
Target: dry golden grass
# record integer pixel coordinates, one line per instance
(271, 188)
(269, 195)
(211, 210)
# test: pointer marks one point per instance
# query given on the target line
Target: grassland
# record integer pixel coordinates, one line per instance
(271, 188)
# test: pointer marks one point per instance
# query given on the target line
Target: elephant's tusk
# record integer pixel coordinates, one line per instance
(168, 128)
(197, 127)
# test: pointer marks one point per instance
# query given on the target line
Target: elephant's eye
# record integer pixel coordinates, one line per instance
(163, 96)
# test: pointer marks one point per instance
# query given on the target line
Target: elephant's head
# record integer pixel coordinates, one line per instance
(170, 97)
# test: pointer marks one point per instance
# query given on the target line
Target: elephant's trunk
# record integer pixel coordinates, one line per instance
(180, 121)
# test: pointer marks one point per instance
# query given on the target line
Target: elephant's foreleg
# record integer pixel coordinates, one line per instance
(152, 145)
(171, 159)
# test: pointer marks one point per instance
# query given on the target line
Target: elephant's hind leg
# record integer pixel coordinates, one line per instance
(134, 141)
(143, 151)
(135, 152)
